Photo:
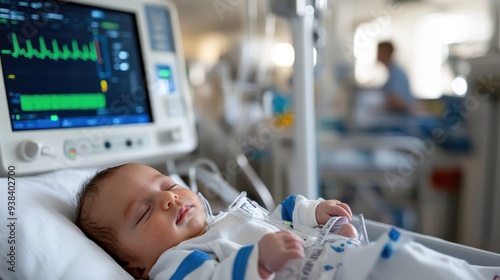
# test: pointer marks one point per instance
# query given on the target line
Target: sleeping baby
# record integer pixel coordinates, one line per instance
(155, 228)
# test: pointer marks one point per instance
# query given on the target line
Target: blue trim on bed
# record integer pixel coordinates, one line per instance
(287, 207)
(190, 263)
(241, 262)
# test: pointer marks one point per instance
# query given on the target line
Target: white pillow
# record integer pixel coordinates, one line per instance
(48, 245)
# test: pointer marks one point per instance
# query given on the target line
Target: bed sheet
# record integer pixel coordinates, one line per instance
(472, 255)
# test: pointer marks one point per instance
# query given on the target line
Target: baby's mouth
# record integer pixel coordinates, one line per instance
(182, 214)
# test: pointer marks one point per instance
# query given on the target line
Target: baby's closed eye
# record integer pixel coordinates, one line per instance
(143, 213)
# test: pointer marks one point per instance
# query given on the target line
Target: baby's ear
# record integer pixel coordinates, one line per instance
(137, 272)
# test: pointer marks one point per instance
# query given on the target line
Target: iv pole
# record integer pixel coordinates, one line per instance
(304, 173)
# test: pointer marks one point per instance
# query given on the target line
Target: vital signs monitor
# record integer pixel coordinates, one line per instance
(91, 82)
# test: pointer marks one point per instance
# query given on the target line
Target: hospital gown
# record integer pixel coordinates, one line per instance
(228, 250)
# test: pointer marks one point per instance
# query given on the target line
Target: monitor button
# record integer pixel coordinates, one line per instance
(47, 150)
(29, 150)
(84, 147)
(176, 135)
(128, 143)
(107, 145)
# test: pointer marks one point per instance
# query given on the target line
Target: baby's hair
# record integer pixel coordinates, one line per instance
(103, 235)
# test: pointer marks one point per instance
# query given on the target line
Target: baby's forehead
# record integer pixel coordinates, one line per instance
(103, 208)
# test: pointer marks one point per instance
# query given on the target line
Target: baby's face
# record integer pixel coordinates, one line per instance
(149, 211)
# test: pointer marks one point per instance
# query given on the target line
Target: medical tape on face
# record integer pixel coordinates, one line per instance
(209, 217)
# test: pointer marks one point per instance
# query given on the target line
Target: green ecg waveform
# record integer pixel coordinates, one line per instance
(87, 52)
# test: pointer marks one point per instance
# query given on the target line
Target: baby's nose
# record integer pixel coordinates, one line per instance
(168, 199)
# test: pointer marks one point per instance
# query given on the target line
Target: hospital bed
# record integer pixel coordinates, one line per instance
(133, 105)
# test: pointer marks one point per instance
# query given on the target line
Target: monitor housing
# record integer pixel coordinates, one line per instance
(89, 83)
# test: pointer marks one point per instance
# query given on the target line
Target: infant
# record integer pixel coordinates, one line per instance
(156, 228)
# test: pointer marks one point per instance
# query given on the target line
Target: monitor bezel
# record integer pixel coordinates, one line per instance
(141, 68)
(159, 131)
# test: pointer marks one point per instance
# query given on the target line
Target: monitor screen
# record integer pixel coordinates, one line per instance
(69, 65)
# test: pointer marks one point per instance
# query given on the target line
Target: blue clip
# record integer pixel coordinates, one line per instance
(387, 252)
(394, 234)
(328, 267)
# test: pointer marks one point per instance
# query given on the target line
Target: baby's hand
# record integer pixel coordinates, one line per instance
(329, 208)
(276, 249)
